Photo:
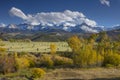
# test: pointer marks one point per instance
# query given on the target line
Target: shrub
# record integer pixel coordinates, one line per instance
(109, 65)
(22, 63)
(31, 59)
(37, 73)
(62, 61)
(7, 64)
(25, 73)
(113, 59)
(2, 49)
(11, 40)
(31, 73)
(50, 61)
(22, 54)
(45, 61)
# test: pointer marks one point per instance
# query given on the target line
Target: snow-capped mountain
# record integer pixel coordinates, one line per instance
(116, 27)
(83, 28)
(86, 28)
(68, 21)
(12, 26)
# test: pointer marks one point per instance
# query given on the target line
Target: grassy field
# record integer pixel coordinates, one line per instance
(35, 46)
(71, 74)
(83, 74)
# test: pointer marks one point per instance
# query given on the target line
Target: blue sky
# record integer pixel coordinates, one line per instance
(103, 14)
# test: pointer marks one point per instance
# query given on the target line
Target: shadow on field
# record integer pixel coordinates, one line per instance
(96, 79)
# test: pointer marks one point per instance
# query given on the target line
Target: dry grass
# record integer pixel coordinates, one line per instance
(83, 74)
(35, 46)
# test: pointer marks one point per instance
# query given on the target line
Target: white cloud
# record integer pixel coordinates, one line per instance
(66, 18)
(69, 24)
(90, 22)
(105, 2)
(87, 29)
(2, 25)
(17, 12)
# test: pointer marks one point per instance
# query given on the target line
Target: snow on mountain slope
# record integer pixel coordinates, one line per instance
(75, 29)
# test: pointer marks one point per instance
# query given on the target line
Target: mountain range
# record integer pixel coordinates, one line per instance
(66, 21)
(52, 33)
(82, 28)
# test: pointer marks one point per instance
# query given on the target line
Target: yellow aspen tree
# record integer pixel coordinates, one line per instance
(53, 48)
(75, 43)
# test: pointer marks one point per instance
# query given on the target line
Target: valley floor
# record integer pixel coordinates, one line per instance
(83, 74)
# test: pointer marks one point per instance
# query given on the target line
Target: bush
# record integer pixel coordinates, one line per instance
(37, 73)
(112, 59)
(7, 64)
(51, 61)
(31, 59)
(46, 61)
(31, 73)
(22, 63)
(2, 49)
(22, 54)
(62, 61)
(109, 65)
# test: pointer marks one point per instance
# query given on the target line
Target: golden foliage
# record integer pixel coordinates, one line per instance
(75, 43)
(22, 63)
(38, 72)
(86, 54)
(46, 61)
(62, 61)
(53, 48)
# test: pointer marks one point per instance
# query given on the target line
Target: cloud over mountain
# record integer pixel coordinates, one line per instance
(17, 12)
(66, 18)
(105, 2)
(2, 25)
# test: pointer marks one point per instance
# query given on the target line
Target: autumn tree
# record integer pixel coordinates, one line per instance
(84, 53)
(53, 48)
(92, 38)
(75, 43)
